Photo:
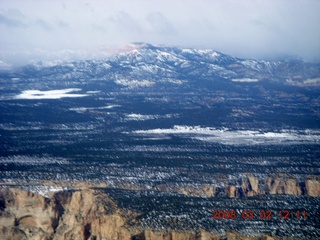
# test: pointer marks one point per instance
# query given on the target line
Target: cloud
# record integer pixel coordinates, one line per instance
(255, 29)
(124, 22)
(160, 24)
(63, 24)
(43, 24)
(12, 18)
(99, 28)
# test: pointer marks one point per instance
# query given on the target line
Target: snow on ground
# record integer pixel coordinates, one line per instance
(236, 137)
(33, 160)
(51, 94)
(311, 81)
(175, 81)
(84, 109)
(245, 80)
(141, 117)
(134, 83)
(44, 190)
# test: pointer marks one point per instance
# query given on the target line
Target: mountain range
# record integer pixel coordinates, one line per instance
(143, 64)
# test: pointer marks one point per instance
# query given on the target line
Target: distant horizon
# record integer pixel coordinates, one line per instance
(53, 57)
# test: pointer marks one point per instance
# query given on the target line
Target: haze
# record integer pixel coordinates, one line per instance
(42, 30)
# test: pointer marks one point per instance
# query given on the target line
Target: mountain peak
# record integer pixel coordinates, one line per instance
(139, 45)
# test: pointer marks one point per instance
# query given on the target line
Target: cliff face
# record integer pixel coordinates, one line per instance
(251, 186)
(88, 214)
(25, 215)
(84, 214)
(313, 188)
(91, 214)
(248, 186)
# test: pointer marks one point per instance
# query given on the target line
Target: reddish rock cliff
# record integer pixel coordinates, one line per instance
(83, 215)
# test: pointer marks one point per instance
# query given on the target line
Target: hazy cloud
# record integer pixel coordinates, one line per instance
(160, 24)
(63, 24)
(12, 18)
(255, 29)
(123, 21)
(43, 24)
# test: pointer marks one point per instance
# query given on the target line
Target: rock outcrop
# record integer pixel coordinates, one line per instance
(83, 215)
(252, 186)
(88, 213)
(26, 216)
(199, 190)
(249, 186)
(313, 188)
(232, 191)
(281, 186)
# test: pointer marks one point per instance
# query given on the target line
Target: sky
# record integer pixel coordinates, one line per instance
(261, 29)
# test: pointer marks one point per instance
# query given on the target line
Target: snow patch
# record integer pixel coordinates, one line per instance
(51, 94)
(33, 160)
(93, 92)
(44, 190)
(245, 80)
(141, 117)
(84, 109)
(236, 137)
(134, 83)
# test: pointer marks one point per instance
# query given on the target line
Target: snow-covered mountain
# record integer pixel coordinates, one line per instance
(142, 64)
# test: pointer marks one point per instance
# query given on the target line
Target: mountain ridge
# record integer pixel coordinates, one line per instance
(143, 61)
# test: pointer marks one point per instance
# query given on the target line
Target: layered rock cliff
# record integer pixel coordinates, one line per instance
(82, 214)
(85, 214)
(250, 185)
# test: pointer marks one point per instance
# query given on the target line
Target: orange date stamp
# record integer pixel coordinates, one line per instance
(258, 214)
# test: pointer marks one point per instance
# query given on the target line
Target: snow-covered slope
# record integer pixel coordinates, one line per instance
(142, 64)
